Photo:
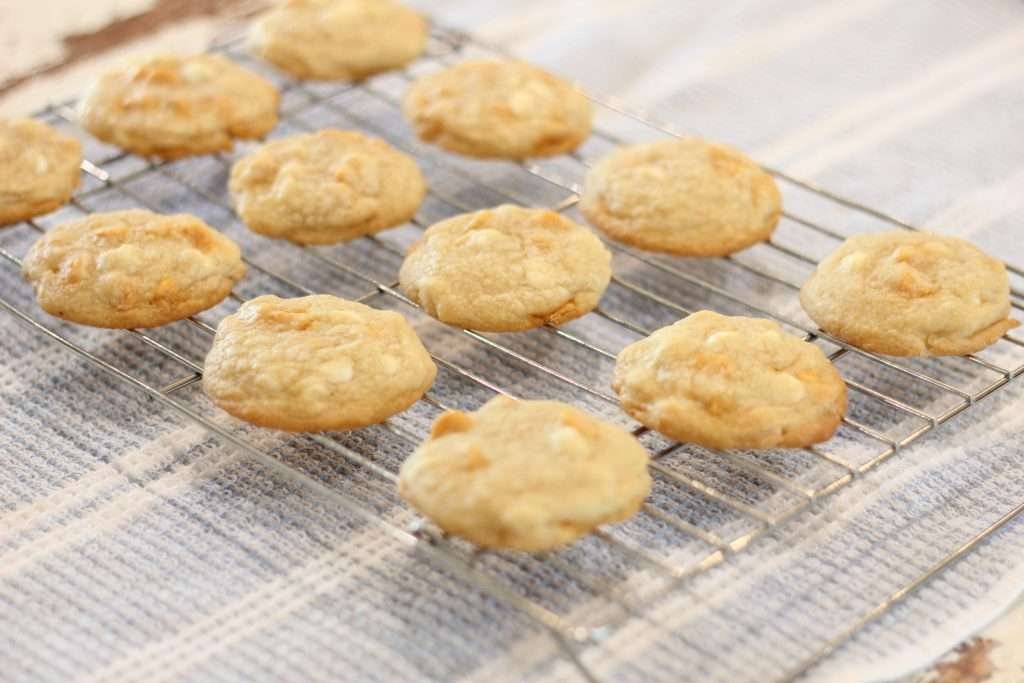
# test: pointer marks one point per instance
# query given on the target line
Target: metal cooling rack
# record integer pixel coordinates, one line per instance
(704, 507)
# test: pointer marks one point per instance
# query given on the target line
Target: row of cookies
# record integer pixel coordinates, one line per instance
(509, 269)
(901, 294)
(898, 293)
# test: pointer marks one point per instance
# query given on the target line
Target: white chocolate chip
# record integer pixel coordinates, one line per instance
(540, 273)
(650, 172)
(936, 248)
(852, 262)
(786, 388)
(194, 72)
(123, 258)
(270, 381)
(722, 340)
(568, 440)
(338, 371)
(526, 100)
(487, 237)
(359, 170)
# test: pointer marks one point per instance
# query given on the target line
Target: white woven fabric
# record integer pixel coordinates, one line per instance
(135, 546)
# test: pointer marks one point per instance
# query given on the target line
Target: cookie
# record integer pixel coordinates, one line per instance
(38, 169)
(326, 187)
(132, 269)
(730, 382)
(315, 363)
(528, 475)
(684, 196)
(344, 40)
(172, 107)
(498, 109)
(506, 269)
(906, 293)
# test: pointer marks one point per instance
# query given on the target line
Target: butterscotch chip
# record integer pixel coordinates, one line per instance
(682, 196)
(38, 169)
(172, 107)
(506, 269)
(338, 39)
(730, 382)
(132, 269)
(529, 475)
(908, 293)
(315, 363)
(326, 187)
(504, 109)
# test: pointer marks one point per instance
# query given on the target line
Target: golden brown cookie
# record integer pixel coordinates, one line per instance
(315, 363)
(132, 269)
(730, 382)
(500, 109)
(506, 269)
(172, 107)
(38, 169)
(326, 187)
(908, 293)
(338, 39)
(682, 196)
(529, 475)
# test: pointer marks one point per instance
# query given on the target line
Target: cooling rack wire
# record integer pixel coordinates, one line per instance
(706, 507)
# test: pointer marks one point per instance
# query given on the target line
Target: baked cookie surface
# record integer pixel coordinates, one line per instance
(338, 39)
(498, 109)
(681, 196)
(39, 169)
(906, 293)
(315, 363)
(730, 382)
(529, 475)
(326, 187)
(132, 269)
(172, 106)
(506, 269)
